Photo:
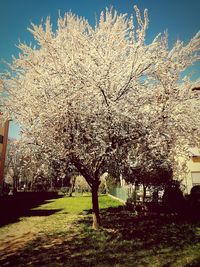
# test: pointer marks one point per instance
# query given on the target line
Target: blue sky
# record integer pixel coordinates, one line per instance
(180, 17)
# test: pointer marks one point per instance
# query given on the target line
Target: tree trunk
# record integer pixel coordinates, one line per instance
(144, 193)
(95, 207)
(72, 186)
(155, 196)
(92, 178)
(135, 198)
(14, 185)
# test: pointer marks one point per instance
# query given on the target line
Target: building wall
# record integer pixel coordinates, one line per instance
(3, 145)
(193, 176)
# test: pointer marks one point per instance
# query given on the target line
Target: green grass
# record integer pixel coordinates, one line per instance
(59, 233)
(77, 204)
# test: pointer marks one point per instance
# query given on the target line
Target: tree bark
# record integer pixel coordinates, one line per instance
(92, 179)
(144, 193)
(155, 196)
(95, 207)
(14, 185)
(72, 186)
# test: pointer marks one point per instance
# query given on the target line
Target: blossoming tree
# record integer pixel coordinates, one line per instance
(80, 92)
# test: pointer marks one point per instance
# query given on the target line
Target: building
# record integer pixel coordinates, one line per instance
(123, 191)
(3, 144)
(193, 176)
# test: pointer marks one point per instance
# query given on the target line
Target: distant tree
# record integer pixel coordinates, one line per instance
(81, 185)
(14, 163)
(81, 92)
(110, 181)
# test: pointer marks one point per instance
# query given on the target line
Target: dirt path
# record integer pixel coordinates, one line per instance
(14, 244)
(14, 237)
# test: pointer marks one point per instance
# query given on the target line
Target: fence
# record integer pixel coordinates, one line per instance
(121, 193)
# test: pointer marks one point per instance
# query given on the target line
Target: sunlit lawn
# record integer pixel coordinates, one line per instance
(59, 233)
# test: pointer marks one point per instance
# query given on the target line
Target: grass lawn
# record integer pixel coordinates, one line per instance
(59, 233)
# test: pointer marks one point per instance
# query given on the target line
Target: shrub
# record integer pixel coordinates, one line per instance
(173, 197)
(195, 193)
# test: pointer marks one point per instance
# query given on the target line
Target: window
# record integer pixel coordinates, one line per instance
(195, 178)
(196, 158)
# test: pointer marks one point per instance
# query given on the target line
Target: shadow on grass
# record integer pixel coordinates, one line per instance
(194, 263)
(41, 212)
(151, 230)
(15, 206)
(125, 240)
